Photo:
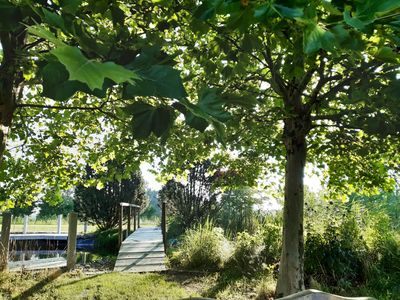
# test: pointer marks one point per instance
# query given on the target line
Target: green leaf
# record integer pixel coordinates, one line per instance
(288, 11)
(157, 81)
(208, 9)
(42, 32)
(315, 38)
(264, 11)
(148, 119)
(354, 22)
(118, 15)
(191, 119)
(388, 54)
(91, 72)
(57, 86)
(246, 101)
(212, 104)
(196, 122)
(10, 16)
(70, 6)
(53, 19)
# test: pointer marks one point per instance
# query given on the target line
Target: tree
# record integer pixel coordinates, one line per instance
(323, 77)
(63, 206)
(101, 206)
(194, 201)
(238, 211)
(66, 66)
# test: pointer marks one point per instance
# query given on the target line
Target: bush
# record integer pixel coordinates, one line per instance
(202, 248)
(106, 242)
(246, 258)
(336, 255)
(271, 233)
(254, 252)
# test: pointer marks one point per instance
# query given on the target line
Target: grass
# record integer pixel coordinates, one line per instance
(76, 285)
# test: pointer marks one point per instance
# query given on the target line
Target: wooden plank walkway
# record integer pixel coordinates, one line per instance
(37, 264)
(142, 251)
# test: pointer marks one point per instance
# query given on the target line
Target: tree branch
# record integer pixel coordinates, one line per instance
(62, 107)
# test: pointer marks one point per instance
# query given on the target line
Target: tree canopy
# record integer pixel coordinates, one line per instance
(299, 81)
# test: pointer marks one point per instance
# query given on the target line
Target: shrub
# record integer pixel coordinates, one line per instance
(246, 258)
(336, 254)
(202, 248)
(271, 233)
(106, 242)
(254, 252)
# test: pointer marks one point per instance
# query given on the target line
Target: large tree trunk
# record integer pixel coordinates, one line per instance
(291, 273)
(7, 107)
(11, 44)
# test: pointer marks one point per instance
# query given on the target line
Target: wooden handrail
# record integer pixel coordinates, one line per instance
(136, 218)
(129, 204)
(164, 224)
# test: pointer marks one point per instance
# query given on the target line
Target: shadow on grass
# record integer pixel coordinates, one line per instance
(196, 280)
(40, 285)
(224, 280)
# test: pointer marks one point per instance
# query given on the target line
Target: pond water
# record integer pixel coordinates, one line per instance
(83, 257)
(24, 250)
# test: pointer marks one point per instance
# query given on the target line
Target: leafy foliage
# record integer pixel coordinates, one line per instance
(101, 206)
(194, 202)
(237, 213)
(49, 210)
(202, 248)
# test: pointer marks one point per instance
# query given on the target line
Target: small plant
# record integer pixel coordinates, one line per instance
(266, 288)
(106, 242)
(202, 248)
(246, 258)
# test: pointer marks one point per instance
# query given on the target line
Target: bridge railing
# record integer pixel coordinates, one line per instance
(164, 224)
(133, 212)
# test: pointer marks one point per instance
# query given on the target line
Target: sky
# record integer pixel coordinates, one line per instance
(311, 179)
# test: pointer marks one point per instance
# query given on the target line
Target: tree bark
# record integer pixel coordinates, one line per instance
(291, 273)
(11, 43)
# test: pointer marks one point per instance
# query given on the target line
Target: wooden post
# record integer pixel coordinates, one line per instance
(72, 235)
(129, 221)
(59, 223)
(138, 217)
(134, 219)
(26, 220)
(5, 240)
(120, 232)
(164, 225)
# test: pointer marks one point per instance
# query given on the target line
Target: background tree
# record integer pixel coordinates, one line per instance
(101, 206)
(238, 211)
(59, 207)
(194, 201)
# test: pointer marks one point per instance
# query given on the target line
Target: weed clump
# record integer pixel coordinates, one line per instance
(202, 248)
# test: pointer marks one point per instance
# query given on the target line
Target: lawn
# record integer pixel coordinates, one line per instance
(76, 285)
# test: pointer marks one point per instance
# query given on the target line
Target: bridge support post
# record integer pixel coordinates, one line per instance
(134, 219)
(72, 235)
(129, 221)
(59, 223)
(120, 229)
(164, 225)
(26, 221)
(5, 240)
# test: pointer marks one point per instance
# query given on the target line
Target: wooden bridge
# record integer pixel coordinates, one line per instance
(144, 249)
(141, 251)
